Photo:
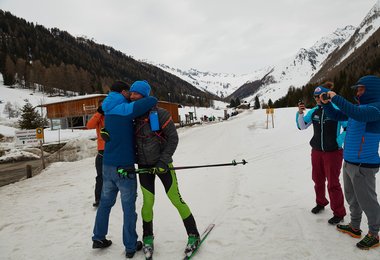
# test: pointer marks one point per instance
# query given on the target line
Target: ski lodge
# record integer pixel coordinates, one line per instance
(75, 112)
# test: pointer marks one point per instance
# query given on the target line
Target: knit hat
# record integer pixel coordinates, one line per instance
(319, 90)
(119, 86)
(142, 87)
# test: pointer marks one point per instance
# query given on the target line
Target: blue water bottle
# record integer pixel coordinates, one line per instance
(153, 119)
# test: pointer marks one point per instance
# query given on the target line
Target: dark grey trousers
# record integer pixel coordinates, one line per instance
(360, 191)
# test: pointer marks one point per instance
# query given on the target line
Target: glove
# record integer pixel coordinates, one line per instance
(130, 173)
(100, 110)
(105, 135)
(160, 168)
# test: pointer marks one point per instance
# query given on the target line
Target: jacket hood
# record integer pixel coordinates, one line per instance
(112, 100)
(372, 89)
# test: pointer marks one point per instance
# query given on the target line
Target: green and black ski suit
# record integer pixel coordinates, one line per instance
(152, 148)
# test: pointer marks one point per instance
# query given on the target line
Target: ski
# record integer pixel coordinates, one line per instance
(202, 238)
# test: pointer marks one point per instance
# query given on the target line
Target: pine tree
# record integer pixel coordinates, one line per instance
(257, 103)
(237, 102)
(232, 103)
(30, 118)
(270, 103)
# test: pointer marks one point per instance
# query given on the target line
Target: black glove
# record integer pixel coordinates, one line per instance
(160, 167)
(100, 110)
(104, 134)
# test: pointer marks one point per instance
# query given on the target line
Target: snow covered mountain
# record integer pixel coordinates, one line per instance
(220, 84)
(273, 81)
(298, 70)
(367, 28)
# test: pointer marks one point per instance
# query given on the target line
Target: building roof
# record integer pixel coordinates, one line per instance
(73, 99)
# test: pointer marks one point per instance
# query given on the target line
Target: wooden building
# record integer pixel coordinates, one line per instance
(75, 112)
(172, 108)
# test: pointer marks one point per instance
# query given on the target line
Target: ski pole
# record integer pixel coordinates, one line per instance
(233, 163)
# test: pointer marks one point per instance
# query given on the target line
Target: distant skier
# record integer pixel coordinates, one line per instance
(97, 122)
(326, 155)
(157, 140)
(361, 156)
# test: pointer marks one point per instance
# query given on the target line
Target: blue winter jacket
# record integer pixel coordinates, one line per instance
(119, 114)
(363, 129)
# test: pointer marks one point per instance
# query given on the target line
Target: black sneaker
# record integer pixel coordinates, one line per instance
(335, 220)
(101, 243)
(317, 209)
(95, 204)
(368, 242)
(356, 233)
(129, 254)
(139, 245)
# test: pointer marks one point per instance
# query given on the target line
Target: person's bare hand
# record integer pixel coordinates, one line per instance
(301, 107)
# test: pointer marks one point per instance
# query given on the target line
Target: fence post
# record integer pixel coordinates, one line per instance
(28, 171)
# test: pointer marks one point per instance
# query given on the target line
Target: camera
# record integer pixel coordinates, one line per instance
(325, 97)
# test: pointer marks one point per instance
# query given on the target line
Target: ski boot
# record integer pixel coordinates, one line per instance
(192, 244)
(148, 247)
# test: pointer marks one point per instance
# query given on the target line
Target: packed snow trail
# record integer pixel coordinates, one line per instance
(261, 210)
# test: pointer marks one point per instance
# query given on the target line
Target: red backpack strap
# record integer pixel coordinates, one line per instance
(166, 123)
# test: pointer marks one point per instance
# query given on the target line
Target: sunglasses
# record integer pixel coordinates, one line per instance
(316, 96)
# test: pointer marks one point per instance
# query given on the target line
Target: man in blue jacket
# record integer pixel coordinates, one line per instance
(361, 156)
(118, 166)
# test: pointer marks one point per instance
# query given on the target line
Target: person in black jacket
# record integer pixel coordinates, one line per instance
(155, 148)
(326, 156)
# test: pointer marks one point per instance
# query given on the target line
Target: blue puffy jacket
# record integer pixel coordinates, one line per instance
(363, 128)
(119, 114)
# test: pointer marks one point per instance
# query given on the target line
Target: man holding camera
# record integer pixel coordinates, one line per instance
(361, 156)
(326, 155)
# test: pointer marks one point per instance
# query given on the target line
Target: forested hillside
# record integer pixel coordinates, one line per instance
(56, 62)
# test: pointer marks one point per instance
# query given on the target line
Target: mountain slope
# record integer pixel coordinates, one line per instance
(31, 54)
(359, 55)
(298, 70)
(270, 82)
(220, 84)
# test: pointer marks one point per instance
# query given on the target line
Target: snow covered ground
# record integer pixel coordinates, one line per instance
(261, 210)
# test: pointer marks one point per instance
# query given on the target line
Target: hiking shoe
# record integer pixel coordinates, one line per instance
(130, 254)
(356, 233)
(101, 243)
(335, 220)
(95, 204)
(192, 243)
(317, 209)
(139, 245)
(368, 242)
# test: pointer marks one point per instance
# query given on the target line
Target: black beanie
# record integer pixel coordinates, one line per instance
(119, 86)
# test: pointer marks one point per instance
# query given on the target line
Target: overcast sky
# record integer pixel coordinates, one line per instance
(236, 36)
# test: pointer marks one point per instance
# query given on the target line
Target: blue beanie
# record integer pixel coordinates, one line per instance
(142, 87)
(319, 90)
